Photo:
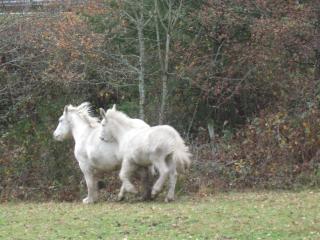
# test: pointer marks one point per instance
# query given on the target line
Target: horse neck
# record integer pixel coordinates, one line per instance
(80, 128)
(118, 131)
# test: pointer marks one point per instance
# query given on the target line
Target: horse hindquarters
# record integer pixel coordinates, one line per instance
(181, 157)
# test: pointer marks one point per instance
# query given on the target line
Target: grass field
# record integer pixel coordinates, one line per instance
(265, 215)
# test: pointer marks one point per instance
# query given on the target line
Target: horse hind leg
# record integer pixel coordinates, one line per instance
(126, 171)
(162, 167)
(121, 193)
(172, 185)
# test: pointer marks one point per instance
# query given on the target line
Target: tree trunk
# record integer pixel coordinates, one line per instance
(317, 45)
(141, 65)
(165, 81)
(317, 64)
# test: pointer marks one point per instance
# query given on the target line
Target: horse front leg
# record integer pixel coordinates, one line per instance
(126, 171)
(92, 189)
(92, 185)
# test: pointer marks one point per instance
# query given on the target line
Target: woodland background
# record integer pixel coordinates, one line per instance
(239, 79)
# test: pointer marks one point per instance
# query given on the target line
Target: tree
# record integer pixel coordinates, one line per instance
(127, 41)
(317, 41)
(137, 18)
(166, 17)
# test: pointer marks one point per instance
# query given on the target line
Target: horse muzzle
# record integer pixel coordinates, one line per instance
(57, 137)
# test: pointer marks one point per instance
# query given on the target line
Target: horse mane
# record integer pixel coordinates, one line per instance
(84, 111)
(121, 117)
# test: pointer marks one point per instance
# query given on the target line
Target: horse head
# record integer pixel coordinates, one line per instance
(63, 130)
(105, 131)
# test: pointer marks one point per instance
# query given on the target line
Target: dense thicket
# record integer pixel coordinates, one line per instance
(239, 80)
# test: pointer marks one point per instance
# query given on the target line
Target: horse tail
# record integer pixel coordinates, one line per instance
(181, 156)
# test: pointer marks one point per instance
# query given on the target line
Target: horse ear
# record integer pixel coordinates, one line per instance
(102, 113)
(66, 109)
(114, 107)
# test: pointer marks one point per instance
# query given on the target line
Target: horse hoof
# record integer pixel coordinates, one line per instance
(168, 199)
(120, 198)
(154, 193)
(87, 201)
(153, 196)
(132, 190)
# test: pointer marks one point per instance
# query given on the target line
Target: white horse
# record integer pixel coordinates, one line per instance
(93, 154)
(159, 146)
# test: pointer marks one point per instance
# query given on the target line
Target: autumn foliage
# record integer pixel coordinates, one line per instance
(243, 89)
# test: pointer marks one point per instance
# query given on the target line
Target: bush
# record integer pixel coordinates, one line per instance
(33, 166)
(277, 150)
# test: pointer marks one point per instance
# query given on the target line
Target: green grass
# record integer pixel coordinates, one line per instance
(266, 215)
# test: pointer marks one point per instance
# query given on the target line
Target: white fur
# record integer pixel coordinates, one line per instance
(160, 146)
(93, 154)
